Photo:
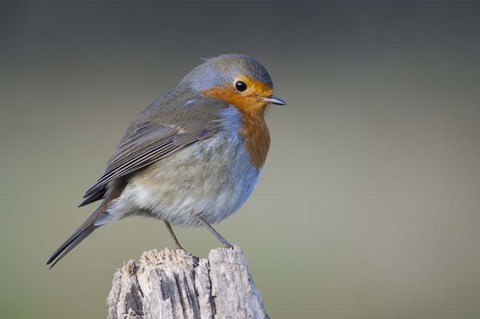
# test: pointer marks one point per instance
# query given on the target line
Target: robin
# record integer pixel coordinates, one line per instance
(192, 157)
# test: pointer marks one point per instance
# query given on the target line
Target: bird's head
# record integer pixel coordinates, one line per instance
(237, 79)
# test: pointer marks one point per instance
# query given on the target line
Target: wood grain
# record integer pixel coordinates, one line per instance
(175, 284)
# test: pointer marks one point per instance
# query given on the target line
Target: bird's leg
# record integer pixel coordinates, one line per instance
(170, 230)
(213, 231)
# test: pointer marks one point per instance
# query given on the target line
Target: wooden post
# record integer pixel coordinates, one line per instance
(175, 284)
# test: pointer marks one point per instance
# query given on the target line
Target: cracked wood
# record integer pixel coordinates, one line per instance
(175, 284)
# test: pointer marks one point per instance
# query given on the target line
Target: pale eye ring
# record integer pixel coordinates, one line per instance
(240, 86)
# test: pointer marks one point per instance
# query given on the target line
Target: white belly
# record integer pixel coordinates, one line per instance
(212, 178)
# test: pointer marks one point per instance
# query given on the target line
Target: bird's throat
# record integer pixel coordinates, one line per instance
(254, 130)
(256, 138)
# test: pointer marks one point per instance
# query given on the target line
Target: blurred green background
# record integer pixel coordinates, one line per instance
(368, 206)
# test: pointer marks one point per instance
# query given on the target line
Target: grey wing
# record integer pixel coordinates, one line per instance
(147, 145)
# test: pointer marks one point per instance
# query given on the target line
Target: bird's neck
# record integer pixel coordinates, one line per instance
(256, 137)
(254, 130)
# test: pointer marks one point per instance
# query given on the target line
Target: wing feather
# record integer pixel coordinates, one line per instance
(148, 144)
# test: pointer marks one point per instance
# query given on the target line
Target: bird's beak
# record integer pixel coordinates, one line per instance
(272, 99)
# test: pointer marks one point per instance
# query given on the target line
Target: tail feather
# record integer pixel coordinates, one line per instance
(80, 234)
(88, 226)
(71, 243)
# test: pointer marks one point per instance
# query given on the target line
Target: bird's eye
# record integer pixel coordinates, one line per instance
(240, 86)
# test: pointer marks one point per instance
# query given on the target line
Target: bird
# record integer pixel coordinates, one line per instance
(192, 157)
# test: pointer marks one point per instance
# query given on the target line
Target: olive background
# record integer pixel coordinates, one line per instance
(368, 206)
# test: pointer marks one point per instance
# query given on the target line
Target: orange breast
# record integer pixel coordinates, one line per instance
(256, 138)
(254, 129)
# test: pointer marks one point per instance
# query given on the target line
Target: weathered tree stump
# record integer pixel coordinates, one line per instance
(175, 284)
